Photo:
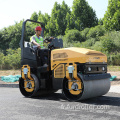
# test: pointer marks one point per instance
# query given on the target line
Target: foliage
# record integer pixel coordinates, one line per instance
(10, 37)
(100, 21)
(83, 15)
(34, 16)
(96, 31)
(72, 36)
(70, 22)
(44, 18)
(11, 60)
(67, 44)
(84, 33)
(112, 15)
(115, 38)
(88, 43)
(110, 42)
(1, 60)
(114, 59)
(97, 46)
(57, 24)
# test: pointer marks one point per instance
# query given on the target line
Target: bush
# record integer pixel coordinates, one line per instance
(114, 59)
(108, 45)
(97, 46)
(115, 37)
(72, 36)
(88, 43)
(100, 21)
(96, 31)
(77, 44)
(12, 59)
(60, 37)
(1, 60)
(67, 44)
(84, 33)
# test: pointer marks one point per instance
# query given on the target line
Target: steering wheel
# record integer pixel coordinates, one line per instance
(49, 39)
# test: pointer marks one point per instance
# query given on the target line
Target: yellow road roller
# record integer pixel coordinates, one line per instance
(80, 73)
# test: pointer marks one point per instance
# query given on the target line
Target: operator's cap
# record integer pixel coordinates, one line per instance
(38, 28)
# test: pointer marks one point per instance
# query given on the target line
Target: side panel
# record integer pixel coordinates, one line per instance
(28, 54)
(31, 63)
(57, 83)
(28, 57)
(58, 75)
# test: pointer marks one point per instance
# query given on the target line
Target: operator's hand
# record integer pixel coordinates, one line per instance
(46, 41)
(51, 38)
(39, 46)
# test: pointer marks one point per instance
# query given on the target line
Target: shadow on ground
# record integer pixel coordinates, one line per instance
(102, 100)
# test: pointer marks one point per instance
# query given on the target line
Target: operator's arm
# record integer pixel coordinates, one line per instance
(34, 42)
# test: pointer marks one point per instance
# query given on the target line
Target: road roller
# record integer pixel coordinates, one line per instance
(79, 72)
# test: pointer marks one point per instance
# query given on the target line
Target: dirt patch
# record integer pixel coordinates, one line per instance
(117, 79)
(10, 72)
(117, 73)
(115, 82)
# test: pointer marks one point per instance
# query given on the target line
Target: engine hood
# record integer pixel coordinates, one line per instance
(74, 54)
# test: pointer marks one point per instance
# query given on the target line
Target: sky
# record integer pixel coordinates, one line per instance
(12, 11)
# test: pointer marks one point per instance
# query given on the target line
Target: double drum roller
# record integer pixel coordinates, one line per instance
(80, 73)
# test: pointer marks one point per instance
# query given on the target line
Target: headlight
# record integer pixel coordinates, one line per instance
(103, 68)
(89, 69)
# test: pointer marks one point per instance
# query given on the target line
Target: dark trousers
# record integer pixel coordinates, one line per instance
(42, 56)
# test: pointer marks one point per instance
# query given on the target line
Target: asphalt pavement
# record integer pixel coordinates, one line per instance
(14, 106)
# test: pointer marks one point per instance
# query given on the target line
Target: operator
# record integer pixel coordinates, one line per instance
(37, 42)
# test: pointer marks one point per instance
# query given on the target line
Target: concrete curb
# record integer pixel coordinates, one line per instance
(9, 85)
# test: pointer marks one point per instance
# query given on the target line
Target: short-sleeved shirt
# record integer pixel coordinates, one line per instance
(33, 39)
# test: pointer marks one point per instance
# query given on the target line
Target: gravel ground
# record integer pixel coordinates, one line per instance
(13, 106)
(115, 89)
(117, 80)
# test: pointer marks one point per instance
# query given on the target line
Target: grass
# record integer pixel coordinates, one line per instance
(113, 68)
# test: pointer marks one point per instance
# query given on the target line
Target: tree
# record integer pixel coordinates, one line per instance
(57, 23)
(10, 37)
(100, 21)
(112, 15)
(14, 33)
(83, 15)
(65, 10)
(70, 22)
(34, 16)
(44, 18)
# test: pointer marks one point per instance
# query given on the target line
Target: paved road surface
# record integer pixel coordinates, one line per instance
(13, 106)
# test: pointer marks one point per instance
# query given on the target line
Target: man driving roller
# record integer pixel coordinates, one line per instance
(37, 42)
